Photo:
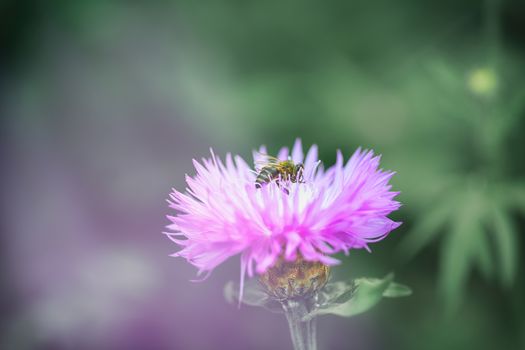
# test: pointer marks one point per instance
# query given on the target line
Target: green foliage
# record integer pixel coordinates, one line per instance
(460, 250)
(506, 241)
(252, 295)
(357, 297)
(472, 214)
(339, 298)
(478, 233)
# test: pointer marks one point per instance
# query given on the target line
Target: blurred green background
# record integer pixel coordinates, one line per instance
(104, 103)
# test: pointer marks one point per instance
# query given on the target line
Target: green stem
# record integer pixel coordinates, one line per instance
(493, 31)
(303, 332)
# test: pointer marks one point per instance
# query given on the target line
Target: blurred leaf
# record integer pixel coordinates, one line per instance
(460, 249)
(483, 254)
(515, 196)
(516, 105)
(467, 245)
(339, 298)
(366, 293)
(396, 290)
(337, 292)
(450, 87)
(427, 228)
(253, 295)
(506, 245)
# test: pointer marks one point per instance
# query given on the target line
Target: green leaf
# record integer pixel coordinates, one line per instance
(252, 296)
(515, 106)
(506, 245)
(459, 251)
(367, 292)
(516, 196)
(427, 228)
(456, 260)
(483, 255)
(396, 290)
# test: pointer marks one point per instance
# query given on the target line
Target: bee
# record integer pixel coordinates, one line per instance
(274, 169)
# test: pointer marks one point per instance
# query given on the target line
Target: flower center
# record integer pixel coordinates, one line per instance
(294, 279)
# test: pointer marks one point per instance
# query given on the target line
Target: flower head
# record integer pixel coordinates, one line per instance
(223, 213)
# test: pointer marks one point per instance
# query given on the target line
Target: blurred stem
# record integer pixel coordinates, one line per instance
(493, 31)
(491, 131)
(303, 332)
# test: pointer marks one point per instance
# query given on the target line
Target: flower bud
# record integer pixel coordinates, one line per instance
(294, 279)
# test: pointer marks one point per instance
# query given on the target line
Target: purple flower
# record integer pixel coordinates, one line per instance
(223, 214)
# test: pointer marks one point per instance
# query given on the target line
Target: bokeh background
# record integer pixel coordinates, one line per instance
(105, 103)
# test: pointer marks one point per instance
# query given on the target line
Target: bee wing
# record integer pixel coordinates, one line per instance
(265, 159)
